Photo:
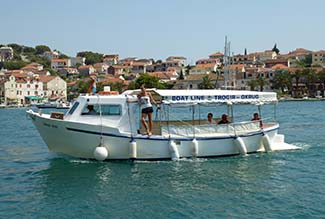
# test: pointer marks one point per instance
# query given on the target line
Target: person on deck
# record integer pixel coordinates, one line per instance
(146, 101)
(224, 119)
(210, 118)
(257, 118)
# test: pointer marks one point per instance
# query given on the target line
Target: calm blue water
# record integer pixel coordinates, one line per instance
(289, 184)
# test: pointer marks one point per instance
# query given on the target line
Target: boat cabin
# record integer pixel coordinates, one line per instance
(181, 113)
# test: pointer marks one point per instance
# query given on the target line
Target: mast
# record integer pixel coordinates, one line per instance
(226, 62)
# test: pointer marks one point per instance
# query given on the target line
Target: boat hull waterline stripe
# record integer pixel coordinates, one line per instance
(167, 138)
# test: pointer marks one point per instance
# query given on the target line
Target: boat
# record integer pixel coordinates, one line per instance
(113, 132)
(47, 105)
(63, 106)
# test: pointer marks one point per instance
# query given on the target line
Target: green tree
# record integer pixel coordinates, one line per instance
(17, 48)
(282, 80)
(261, 83)
(308, 60)
(40, 49)
(91, 57)
(83, 85)
(14, 65)
(63, 56)
(297, 76)
(310, 79)
(148, 81)
(321, 77)
(252, 84)
(206, 83)
(28, 50)
(41, 60)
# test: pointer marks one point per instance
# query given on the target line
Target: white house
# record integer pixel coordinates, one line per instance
(54, 87)
(204, 68)
(51, 55)
(60, 63)
(179, 59)
(77, 60)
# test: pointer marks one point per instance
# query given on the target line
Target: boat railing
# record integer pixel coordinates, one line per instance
(213, 129)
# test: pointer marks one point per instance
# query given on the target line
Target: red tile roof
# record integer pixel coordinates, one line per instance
(46, 79)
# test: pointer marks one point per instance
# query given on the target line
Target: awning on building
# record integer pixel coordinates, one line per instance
(34, 98)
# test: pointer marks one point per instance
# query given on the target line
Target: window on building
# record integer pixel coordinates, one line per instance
(36, 86)
(28, 93)
(28, 85)
(35, 93)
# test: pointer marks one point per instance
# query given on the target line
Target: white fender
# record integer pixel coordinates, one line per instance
(100, 152)
(195, 148)
(133, 149)
(240, 145)
(267, 143)
(173, 150)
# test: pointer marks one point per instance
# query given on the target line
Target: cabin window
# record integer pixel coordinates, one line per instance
(109, 110)
(73, 108)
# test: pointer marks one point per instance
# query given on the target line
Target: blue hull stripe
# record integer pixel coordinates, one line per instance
(156, 138)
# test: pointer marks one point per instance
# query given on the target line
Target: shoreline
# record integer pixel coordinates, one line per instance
(301, 99)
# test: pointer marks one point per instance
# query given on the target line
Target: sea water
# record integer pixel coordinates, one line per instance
(35, 183)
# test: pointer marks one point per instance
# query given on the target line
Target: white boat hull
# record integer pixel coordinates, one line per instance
(80, 140)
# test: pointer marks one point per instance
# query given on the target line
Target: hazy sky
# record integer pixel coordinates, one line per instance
(158, 29)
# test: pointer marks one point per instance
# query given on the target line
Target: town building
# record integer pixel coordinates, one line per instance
(203, 68)
(178, 59)
(86, 70)
(51, 55)
(56, 64)
(318, 58)
(111, 59)
(54, 87)
(74, 61)
(6, 53)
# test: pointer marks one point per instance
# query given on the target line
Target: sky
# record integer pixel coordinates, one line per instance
(158, 29)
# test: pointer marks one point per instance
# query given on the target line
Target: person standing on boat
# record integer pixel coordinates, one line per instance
(146, 101)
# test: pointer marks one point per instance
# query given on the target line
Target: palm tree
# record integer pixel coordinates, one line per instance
(321, 77)
(282, 80)
(252, 84)
(261, 82)
(311, 78)
(297, 76)
(217, 78)
(206, 83)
